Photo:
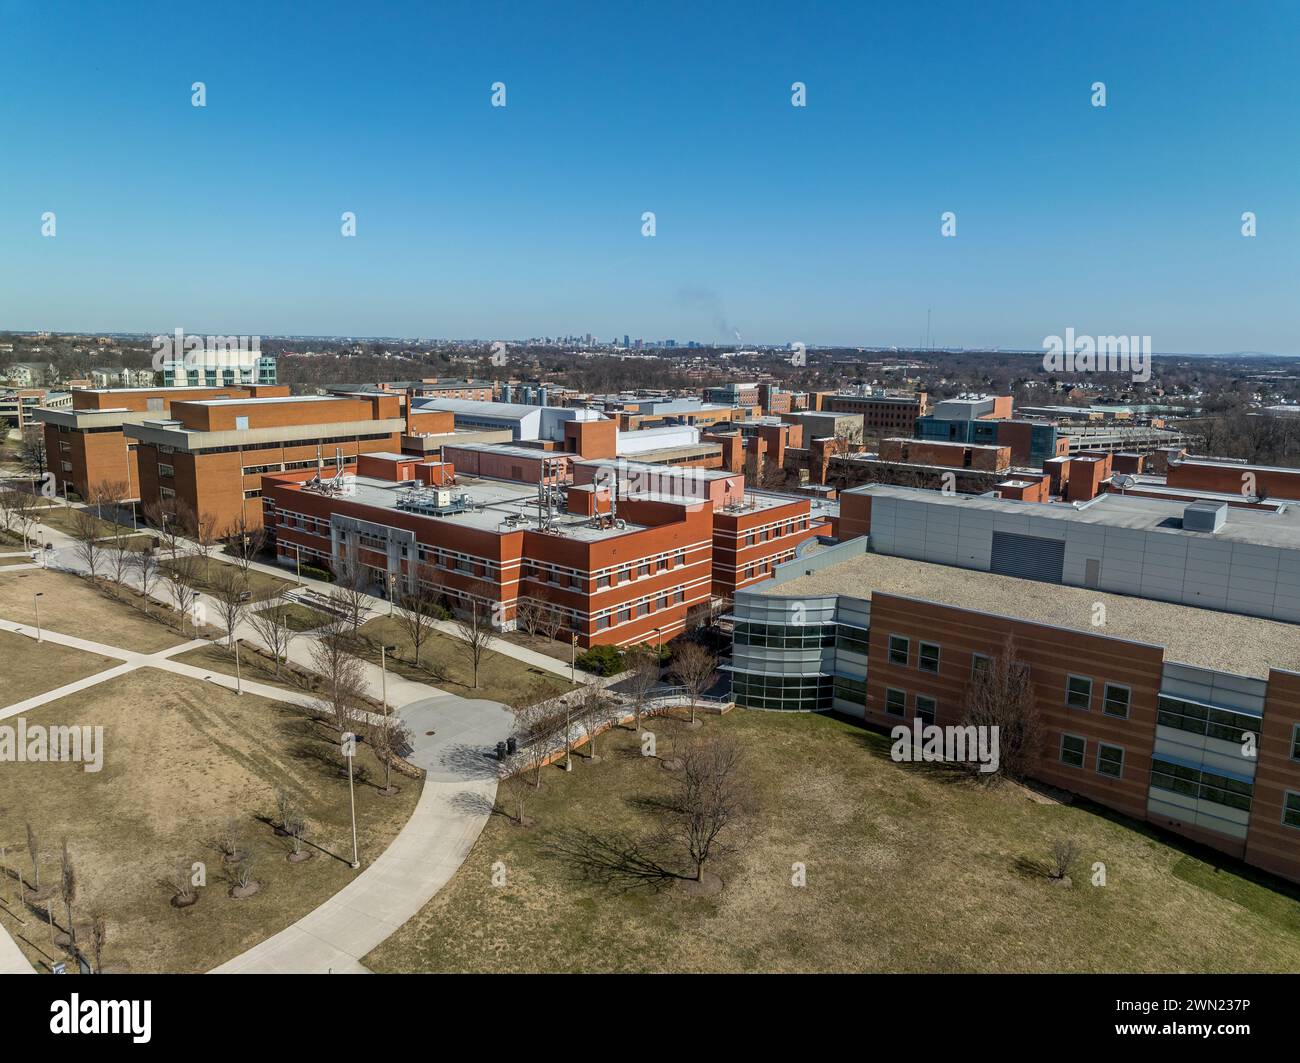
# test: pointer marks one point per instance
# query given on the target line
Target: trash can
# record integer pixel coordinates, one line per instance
(501, 751)
(512, 745)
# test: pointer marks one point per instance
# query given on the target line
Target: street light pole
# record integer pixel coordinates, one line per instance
(239, 680)
(298, 552)
(573, 659)
(383, 675)
(36, 604)
(349, 750)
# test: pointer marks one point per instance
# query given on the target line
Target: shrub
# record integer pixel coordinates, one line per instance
(317, 573)
(601, 660)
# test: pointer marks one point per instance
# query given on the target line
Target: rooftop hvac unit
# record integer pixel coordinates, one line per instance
(1205, 516)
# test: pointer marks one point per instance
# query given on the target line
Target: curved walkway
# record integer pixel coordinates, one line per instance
(452, 737)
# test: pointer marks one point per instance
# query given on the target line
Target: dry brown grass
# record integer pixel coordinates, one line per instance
(181, 757)
(72, 606)
(32, 668)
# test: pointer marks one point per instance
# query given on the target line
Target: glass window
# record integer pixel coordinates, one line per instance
(1072, 750)
(1116, 703)
(927, 657)
(1291, 809)
(1225, 724)
(895, 702)
(1078, 692)
(925, 709)
(854, 639)
(854, 690)
(1110, 760)
(898, 650)
(979, 664)
(1295, 741)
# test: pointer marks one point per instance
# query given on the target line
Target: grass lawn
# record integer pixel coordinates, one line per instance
(908, 869)
(445, 662)
(180, 758)
(70, 605)
(261, 585)
(255, 665)
(556, 648)
(32, 668)
(24, 559)
(304, 618)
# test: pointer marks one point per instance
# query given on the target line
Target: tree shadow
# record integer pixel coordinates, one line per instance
(473, 803)
(474, 762)
(613, 860)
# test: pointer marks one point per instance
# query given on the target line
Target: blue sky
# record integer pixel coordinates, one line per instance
(818, 224)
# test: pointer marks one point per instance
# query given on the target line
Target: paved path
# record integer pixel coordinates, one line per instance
(452, 737)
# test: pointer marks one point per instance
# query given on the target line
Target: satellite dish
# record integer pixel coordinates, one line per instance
(1123, 480)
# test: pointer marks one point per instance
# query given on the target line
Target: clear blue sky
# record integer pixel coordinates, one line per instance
(818, 224)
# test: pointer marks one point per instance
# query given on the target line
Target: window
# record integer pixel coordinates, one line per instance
(854, 639)
(1078, 692)
(1225, 724)
(898, 649)
(925, 709)
(166, 470)
(1116, 702)
(895, 702)
(1295, 741)
(1072, 750)
(854, 690)
(1110, 760)
(979, 664)
(1291, 809)
(1206, 785)
(927, 657)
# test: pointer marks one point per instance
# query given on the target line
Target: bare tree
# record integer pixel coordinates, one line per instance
(551, 621)
(694, 666)
(391, 739)
(348, 594)
(593, 710)
(32, 454)
(111, 493)
(343, 678)
(182, 886)
(34, 851)
(246, 540)
(68, 890)
(1000, 695)
(418, 612)
(474, 625)
(712, 796)
(1061, 857)
(230, 589)
(182, 586)
(205, 534)
(643, 666)
(528, 615)
(145, 566)
(515, 789)
(119, 563)
(173, 519)
(85, 530)
(272, 624)
(98, 939)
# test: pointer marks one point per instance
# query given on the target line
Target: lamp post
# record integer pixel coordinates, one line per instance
(36, 604)
(349, 750)
(573, 658)
(239, 679)
(383, 674)
(392, 591)
(298, 553)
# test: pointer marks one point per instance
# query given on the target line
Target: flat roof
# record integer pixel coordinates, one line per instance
(690, 471)
(1205, 638)
(492, 501)
(1278, 528)
(265, 399)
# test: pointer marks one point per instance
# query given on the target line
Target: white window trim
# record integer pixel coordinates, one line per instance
(1128, 705)
(1083, 753)
(1091, 685)
(1123, 756)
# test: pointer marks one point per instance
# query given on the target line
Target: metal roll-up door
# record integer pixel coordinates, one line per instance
(1028, 557)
